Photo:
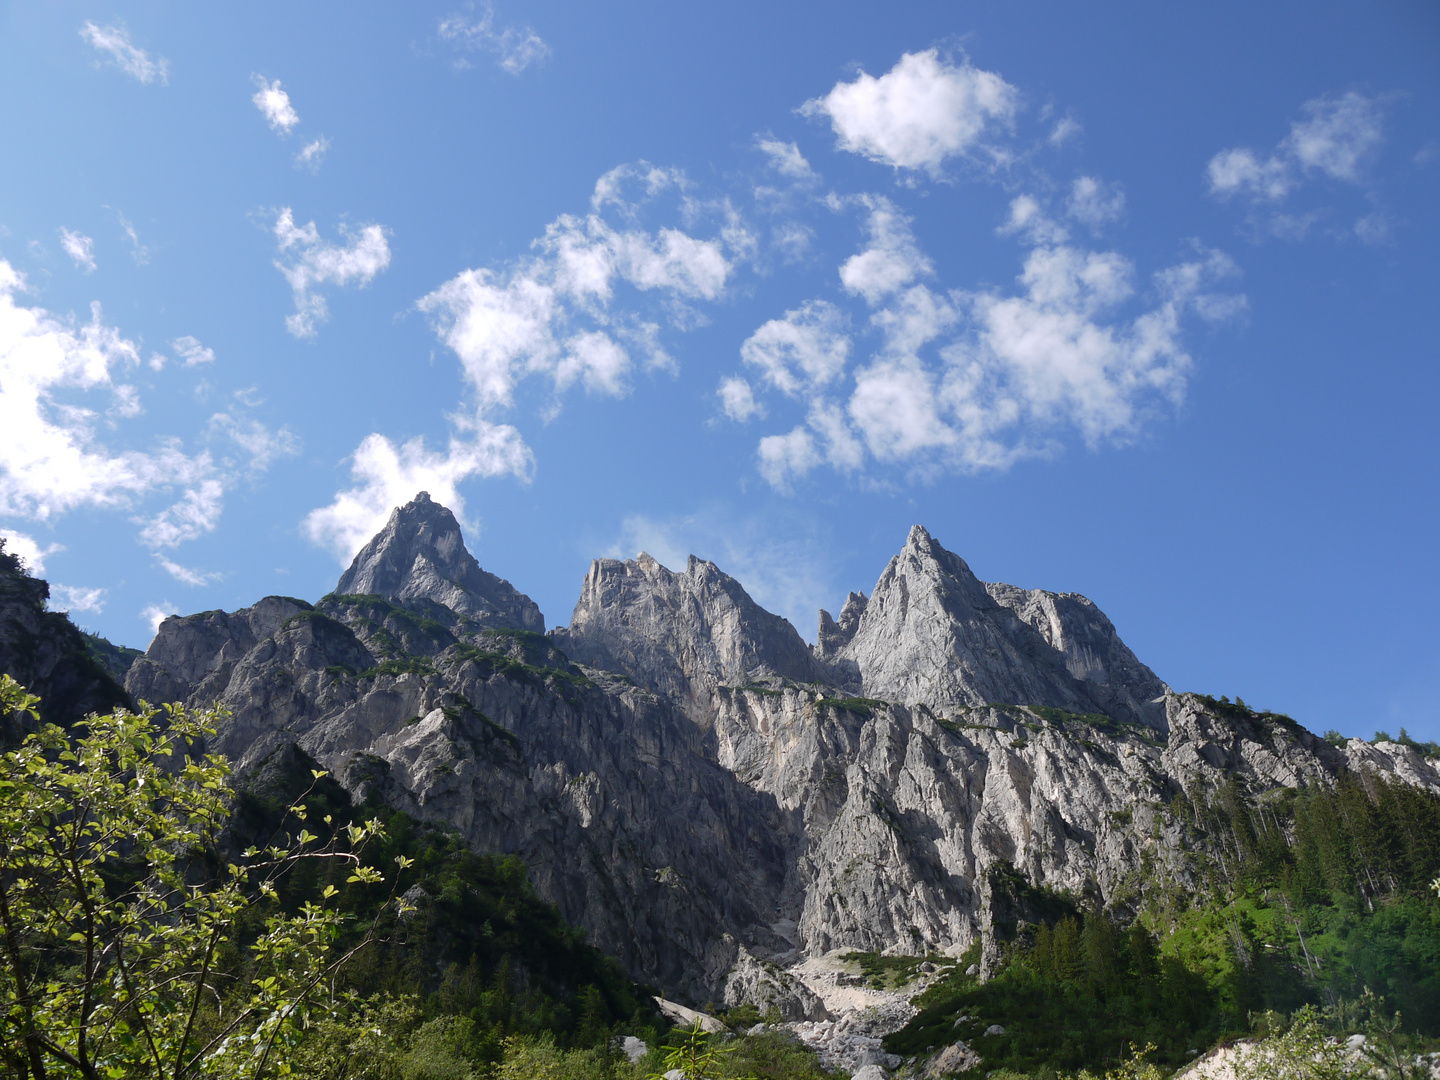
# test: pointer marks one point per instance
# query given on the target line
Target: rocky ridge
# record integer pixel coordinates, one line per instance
(719, 805)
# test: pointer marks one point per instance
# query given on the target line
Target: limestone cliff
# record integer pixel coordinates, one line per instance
(713, 800)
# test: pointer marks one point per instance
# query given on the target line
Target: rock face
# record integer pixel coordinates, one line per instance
(680, 635)
(932, 633)
(46, 653)
(420, 557)
(715, 802)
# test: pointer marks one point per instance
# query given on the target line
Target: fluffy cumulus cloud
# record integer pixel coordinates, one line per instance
(308, 262)
(386, 476)
(1094, 203)
(918, 115)
(61, 384)
(1336, 138)
(80, 248)
(514, 48)
(274, 104)
(582, 310)
(75, 598)
(155, 614)
(978, 380)
(803, 351)
(556, 314)
(114, 42)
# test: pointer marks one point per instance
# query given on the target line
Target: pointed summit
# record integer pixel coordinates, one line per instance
(420, 556)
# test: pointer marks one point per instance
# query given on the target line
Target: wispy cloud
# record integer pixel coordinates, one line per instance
(274, 104)
(1336, 138)
(59, 381)
(185, 575)
(514, 47)
(191, 352)
(312, 155)
(138, 251)
(307, 262)
(80, 248)
(76, 598)
(115, 42)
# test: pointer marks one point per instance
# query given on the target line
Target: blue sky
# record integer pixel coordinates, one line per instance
(1137, 302)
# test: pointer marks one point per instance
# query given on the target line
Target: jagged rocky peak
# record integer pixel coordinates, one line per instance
(420, 556)
(933, 633)
(679, 633)
(834, 635)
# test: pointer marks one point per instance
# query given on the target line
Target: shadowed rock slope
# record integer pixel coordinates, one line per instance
(712, 799)
(45, 652)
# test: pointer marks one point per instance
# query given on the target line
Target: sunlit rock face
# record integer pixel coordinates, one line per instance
(714, 800)
(421, 556)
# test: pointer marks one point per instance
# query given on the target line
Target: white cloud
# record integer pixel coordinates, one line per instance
(185, 575)
(28, 550)
(805, 350)
(738, 400)
(563, 314)
(312, 155)
(75, 598)
(388, 476)
(1064, 130)
(50, 459)
(978, 380)
(274, 104)
(515, 47)
(785, 458)
(1029, 219)
(505, 326)
(138, 251)
(155, 614)
(80, 248)
(786, 159)
(1338, 135)
(922, 112)
(1241, 172)
(1094, 203)
(189, 350)
(133, 61)
(890, 261)
(308, 261)
(194, 514)
(1336, 138)
(261, 445)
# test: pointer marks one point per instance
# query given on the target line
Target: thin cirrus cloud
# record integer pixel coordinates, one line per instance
(312, 154)
(308, 262)
(1337, 138)
(80, 248)
(972, 381)
(184, 574)
(60, 384)
(115, 43)
(515, 48)
(274, 105)
(585, 310)
(920, 114)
